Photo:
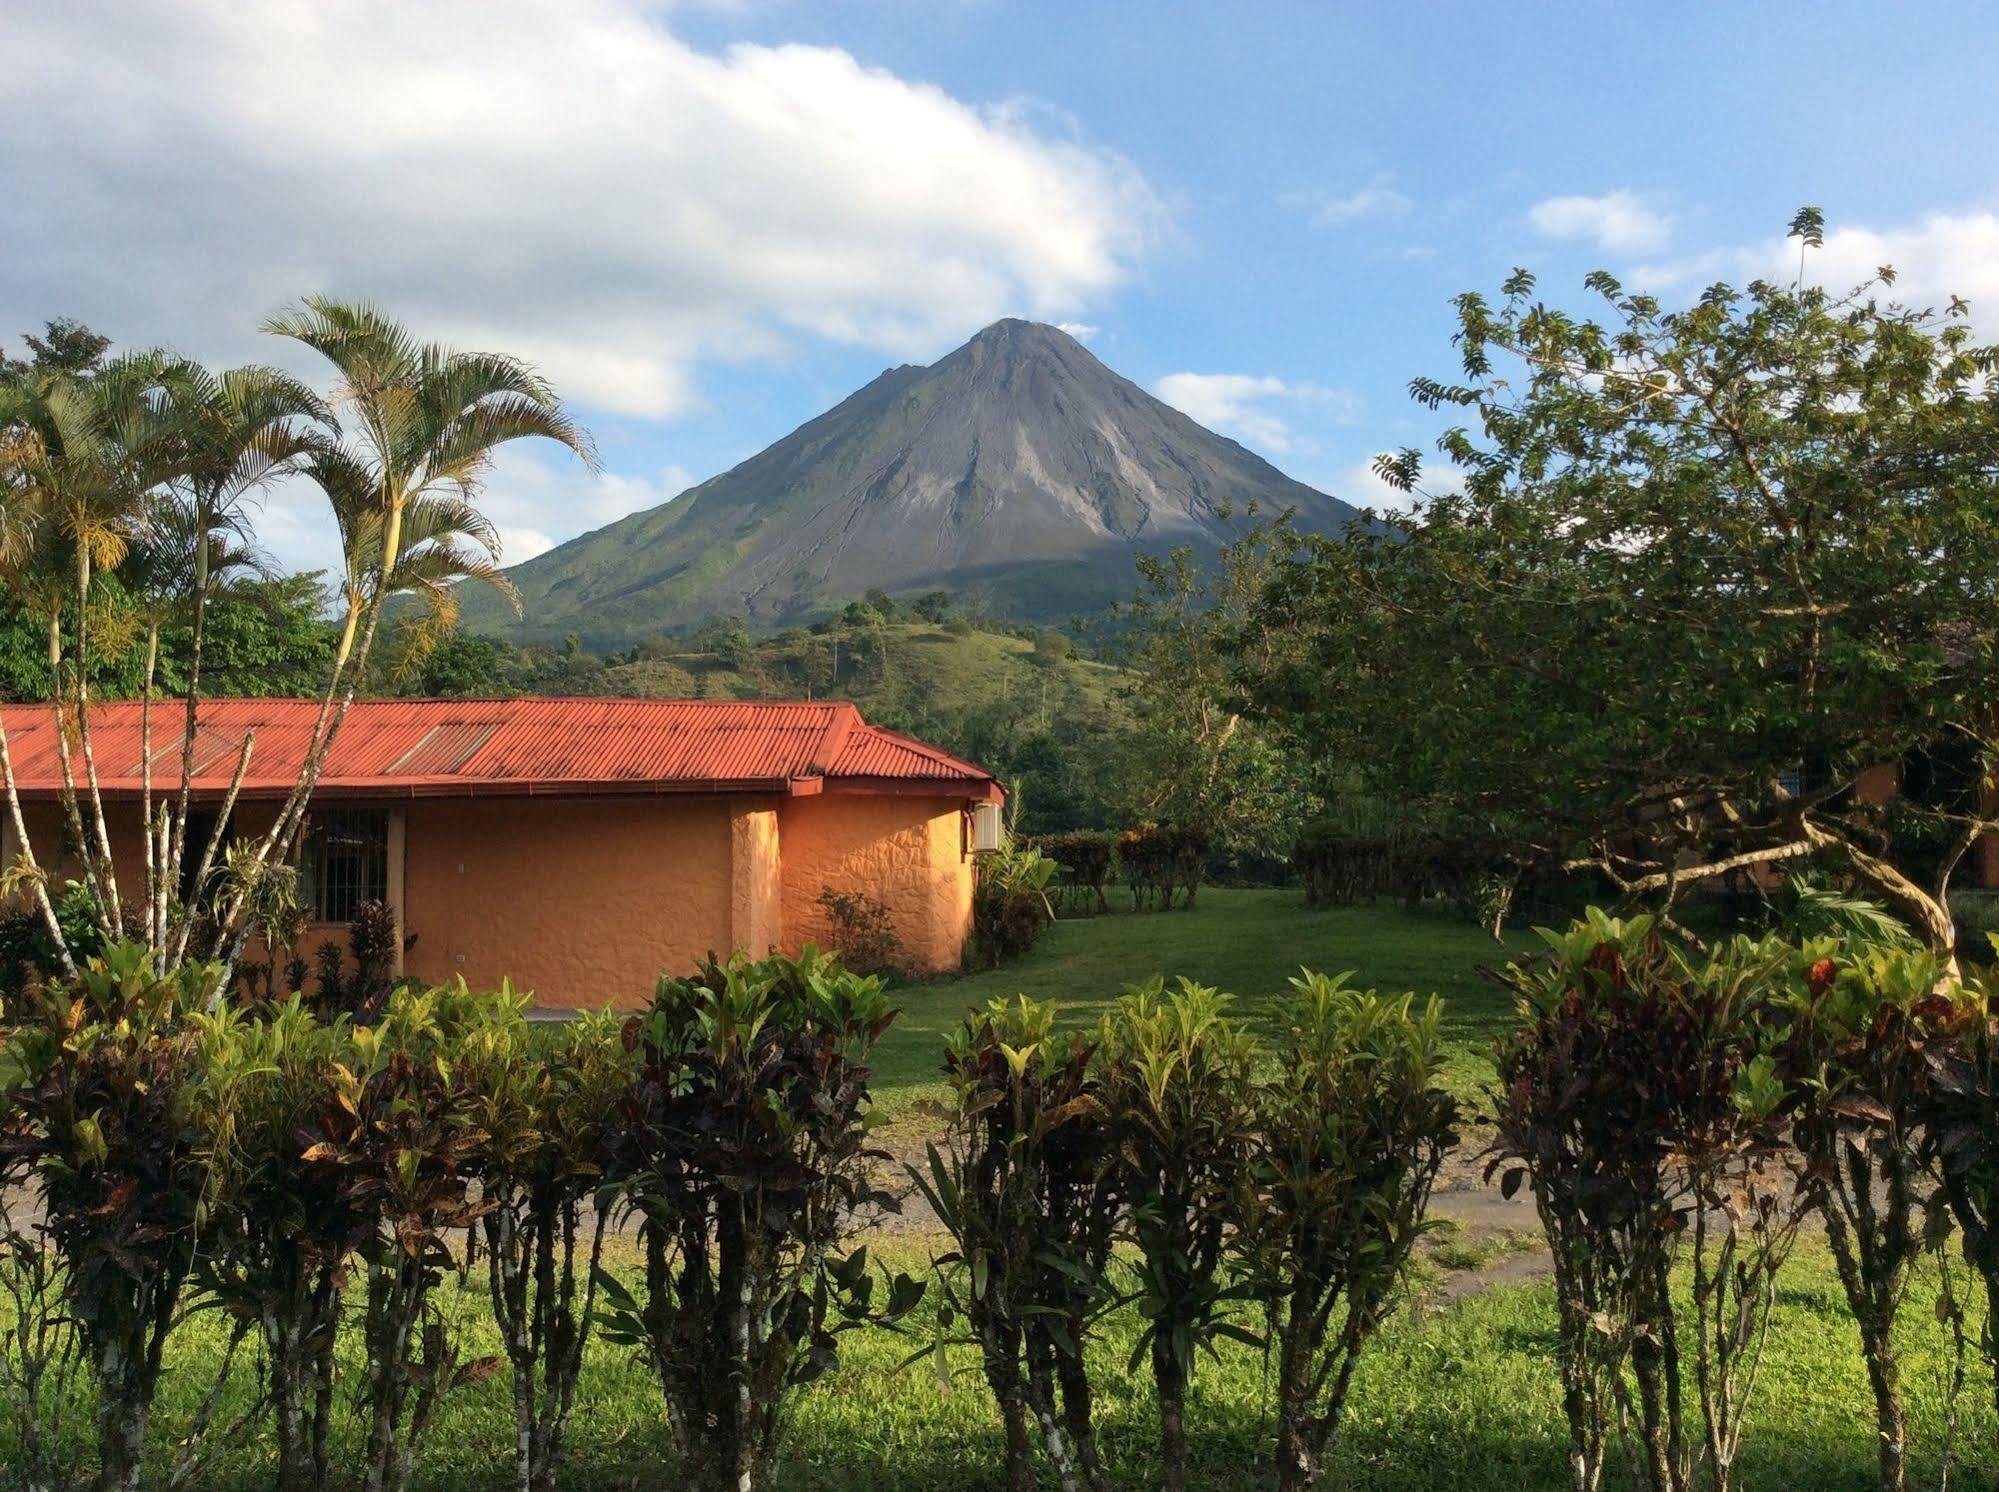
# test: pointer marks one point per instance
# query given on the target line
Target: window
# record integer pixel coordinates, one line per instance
(346, 862)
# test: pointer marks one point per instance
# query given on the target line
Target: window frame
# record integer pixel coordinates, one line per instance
(367, 879)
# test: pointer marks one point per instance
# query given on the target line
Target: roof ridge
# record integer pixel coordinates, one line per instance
(841, 719)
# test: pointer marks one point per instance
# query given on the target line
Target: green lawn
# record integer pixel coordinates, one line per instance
(1247, 942)
(1462, 1396)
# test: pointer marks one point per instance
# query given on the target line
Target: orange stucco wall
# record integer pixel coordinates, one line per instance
(585, 901)
(582, 901)
(908, 853)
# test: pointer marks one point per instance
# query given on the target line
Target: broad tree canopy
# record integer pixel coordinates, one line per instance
(1699, 576)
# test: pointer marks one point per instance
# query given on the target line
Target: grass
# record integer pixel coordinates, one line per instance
(1464, 1396)
(1247, 942)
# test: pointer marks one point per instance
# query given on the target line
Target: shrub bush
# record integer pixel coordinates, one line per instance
(543, 1101)
(95, 1081)
(1022, 1186)
(741, 1145)
(1160, 861)
(401, 1136)
(1864, 1023)
(1087, 860)
(374, 940)
(1176, 1081)
(284, 1226)
(1350, 1134)
(1957, 1103)
(1010, 906)
(1340, 865)
(1639, 1099)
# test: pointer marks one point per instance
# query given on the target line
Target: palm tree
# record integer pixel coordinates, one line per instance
(423, 423)
(81, 456)
(236, 434)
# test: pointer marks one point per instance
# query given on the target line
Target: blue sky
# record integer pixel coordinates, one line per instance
(709, 222)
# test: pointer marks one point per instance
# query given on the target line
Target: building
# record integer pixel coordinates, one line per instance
(576, 846)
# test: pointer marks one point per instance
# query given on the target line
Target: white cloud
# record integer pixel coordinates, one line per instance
(1377, 201)
(1082, 331)
(519, 544)
(534, 501)
(1239, 404)
(1945, 254)
(1617, 222)
(567, 181)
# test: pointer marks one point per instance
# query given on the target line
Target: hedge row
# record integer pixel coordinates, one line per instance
(1674, 1115)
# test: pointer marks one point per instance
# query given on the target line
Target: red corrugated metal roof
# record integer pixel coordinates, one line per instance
(532, 745)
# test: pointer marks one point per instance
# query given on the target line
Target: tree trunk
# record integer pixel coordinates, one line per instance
(1890, 1422)
(1297, 1445)
(1170, 1378)
(1002, 1364)
(124, 1402)
(1078, 1412)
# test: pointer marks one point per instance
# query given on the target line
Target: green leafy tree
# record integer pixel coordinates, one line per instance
(65, 346)
(1708, 569)
(1195, 759)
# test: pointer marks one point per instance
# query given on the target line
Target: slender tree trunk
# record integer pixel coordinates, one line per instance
(1077, 1411)
(190, 723)
(114, 911)
(72, 806)
(1002, 1365)
(1876, 1327)
(154, 939)
(1171, 1382)
(1297, 1450)
(38, 880)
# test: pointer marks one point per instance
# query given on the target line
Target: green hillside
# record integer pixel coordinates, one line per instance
(1024, 704)
(898, 667)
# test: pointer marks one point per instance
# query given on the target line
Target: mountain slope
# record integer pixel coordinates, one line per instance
(1018, 472)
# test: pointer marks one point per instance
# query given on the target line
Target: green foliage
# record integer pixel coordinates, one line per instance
(1640, 1098)
(283, 1230)
(1010, 905)
(544, 1107)
(401, 1138)
(1086, 861)
(94, 1084)
(1158, 861)
(1957, 1105)
(65, 346)
(1020, 1185)
(1350, 1135)
(1174, 1077)
(741, 1146)
(1198, 762)
(1863, 1017)
(1706, 568)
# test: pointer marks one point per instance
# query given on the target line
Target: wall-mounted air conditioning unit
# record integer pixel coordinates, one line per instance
(988, 833)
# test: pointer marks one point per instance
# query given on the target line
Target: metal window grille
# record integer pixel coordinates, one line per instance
(346, 861)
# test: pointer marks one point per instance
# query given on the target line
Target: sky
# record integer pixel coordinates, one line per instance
(708, 222)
